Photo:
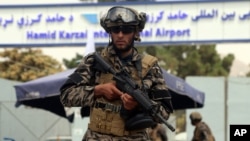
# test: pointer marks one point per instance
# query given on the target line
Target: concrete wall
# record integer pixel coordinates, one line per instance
(238, 101)
(213, 111)
(26, 123)
(226, 103)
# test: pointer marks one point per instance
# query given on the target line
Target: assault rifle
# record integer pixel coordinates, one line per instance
(126, 84)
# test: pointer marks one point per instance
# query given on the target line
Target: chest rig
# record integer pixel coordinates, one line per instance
(105, 115)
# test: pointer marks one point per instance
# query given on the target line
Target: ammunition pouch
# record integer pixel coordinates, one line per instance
(159, 94)
(139, 121)
(163, 96)
(107, 106)
(105, 118)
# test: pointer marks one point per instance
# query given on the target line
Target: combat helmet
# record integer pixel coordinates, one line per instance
(195, 116)
(119, 15)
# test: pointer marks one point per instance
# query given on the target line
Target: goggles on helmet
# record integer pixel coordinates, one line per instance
(120, 13)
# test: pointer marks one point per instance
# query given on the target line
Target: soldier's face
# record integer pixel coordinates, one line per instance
(123, 37)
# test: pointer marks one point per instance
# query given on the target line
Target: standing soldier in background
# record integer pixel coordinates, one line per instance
(202, 131)
(115, 115)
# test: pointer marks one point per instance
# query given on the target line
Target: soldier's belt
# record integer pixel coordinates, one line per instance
(107, 106)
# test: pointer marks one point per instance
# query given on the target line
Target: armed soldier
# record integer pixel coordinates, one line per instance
(202, 132)
(114, 114)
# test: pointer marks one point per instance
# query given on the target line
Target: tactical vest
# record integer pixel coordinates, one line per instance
(105, 115)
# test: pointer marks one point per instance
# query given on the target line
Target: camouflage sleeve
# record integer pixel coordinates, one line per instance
(155, 82)
(78, 89)
(204, 135)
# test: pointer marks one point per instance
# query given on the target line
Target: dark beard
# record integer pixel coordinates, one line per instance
(126, 49)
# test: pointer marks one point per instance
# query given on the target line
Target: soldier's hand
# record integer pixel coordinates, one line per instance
(128, 101)
(108, 90)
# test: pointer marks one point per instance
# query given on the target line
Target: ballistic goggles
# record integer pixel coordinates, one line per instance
(117, 14)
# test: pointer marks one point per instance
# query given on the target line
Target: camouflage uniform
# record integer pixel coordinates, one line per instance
(202, 132)
(108, 118)
(81, 94)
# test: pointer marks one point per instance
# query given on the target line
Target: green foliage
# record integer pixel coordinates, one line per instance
(73, 62)
(26, 64)
(248, 74)
(183, 60)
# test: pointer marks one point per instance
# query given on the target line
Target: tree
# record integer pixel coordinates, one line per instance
(24, 64)
(73, 62)
(248, 73)
(183, 60)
